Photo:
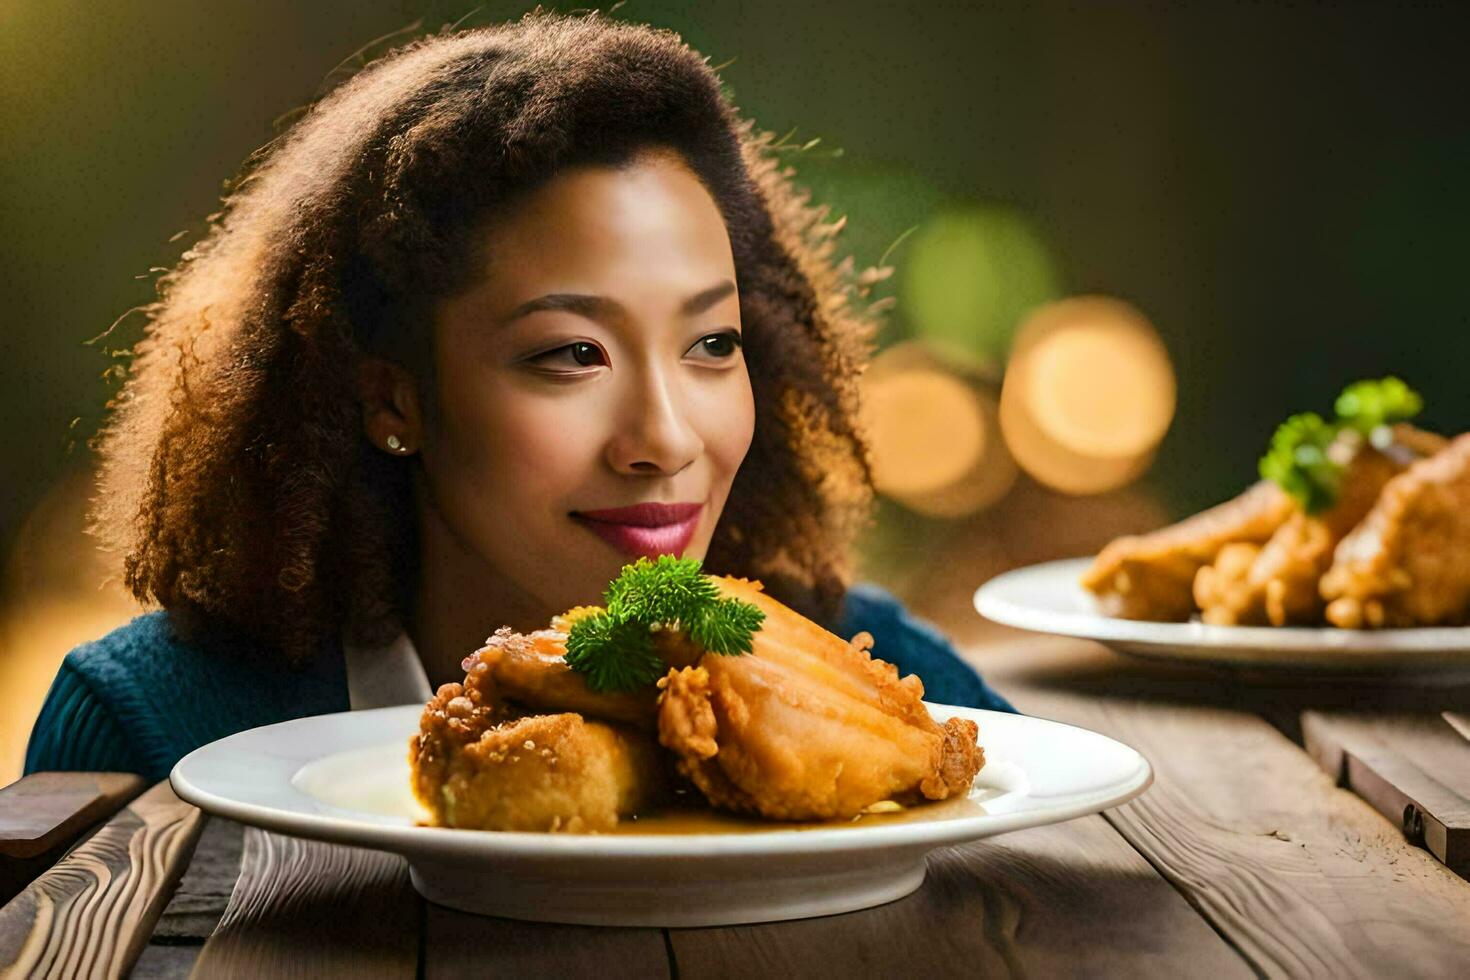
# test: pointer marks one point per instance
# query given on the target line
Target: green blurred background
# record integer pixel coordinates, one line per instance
(1280, 189)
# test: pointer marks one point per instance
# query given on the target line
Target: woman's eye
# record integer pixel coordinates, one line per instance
(718, 346)
(569, 357)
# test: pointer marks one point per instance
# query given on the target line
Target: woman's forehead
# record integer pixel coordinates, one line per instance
(647, 233)
(598, 213)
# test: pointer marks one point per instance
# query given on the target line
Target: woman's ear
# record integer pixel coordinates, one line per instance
(391, 415)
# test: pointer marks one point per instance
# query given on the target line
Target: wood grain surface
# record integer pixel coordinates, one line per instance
(1066, 900)
(43, 814)
(1302, 877)
(165, 961)
(204, 892)
(457, 944)
(46, 813)
(46, 809)
(197, 906)
(91, 914)
(1414, 769)
(308, 909)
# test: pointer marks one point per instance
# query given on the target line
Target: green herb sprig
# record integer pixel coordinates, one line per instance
(615, 647)
(1298, 459)
(1367, 405)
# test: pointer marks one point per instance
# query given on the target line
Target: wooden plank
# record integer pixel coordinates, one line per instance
(49, 809)
(44, 813)
(197, 906)
(204, 892)
(313, 909)
(1067, 900)
(458, 944)
(1302, 877)
(1413, 769)
(92, 913)
(161, 961)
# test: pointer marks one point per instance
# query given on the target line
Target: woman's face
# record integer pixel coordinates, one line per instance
(590, 401)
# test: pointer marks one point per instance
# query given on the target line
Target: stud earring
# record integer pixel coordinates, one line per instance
(395, 444)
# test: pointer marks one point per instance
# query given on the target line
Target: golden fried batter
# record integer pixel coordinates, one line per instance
(1277, 583)
(479, 763)
(1223, 589)
(530, 670)
(539, 772)
(1408, 562)
(808, 726)
(1151, 576)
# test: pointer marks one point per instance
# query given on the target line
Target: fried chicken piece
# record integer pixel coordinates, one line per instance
(1223, 589)
(1291, 565)
(530, 670)
(1408, 562)
(478, 762)
(808, 726)
(1277, 583)
(1151, 576)
(539, 772)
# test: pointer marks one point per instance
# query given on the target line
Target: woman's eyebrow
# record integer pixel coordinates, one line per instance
(601, 307)
(706, 298)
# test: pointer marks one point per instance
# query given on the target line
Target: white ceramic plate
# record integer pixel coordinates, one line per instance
(344, 778)
(1048, 598)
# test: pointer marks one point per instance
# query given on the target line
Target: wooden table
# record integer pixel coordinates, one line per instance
(1243, 858)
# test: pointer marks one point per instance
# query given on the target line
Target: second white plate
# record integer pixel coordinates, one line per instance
(1048, 598)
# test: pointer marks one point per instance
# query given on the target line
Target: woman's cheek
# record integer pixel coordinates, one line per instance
(552, 444)
(729, 423)
(493, 452)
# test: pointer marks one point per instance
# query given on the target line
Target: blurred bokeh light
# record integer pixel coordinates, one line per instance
(970, 274)
(927, 431)
(935, 434)
(1088, 395)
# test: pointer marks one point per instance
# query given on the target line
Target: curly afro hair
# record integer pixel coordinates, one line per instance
(236, 480)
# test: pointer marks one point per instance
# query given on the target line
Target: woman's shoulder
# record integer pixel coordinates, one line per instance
(143, 696)
(915, 646)
(134, 646)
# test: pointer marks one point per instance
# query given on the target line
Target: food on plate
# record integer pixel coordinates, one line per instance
(682, 684)
(1408, 562)
(1276, 582)
(532, 671)
(1151, 576)
(809, 726)
(1354, 524)
(536, 772)
(481, 762)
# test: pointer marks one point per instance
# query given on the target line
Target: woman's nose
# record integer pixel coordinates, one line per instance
(657, 436)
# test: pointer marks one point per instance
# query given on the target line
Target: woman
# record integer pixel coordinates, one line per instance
(508, 309)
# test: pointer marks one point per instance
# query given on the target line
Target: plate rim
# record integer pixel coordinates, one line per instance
(442, 842)
(993, 601)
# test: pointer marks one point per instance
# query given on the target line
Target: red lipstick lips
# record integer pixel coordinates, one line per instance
(645, 529)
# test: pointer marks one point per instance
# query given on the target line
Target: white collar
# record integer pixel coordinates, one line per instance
(381, 677)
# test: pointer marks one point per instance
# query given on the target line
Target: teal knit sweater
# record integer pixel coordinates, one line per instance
(141, 698)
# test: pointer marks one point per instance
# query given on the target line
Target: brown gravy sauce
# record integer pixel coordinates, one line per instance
(694, 819)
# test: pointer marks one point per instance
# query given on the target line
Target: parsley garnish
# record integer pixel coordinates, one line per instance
(1298, 460)
(616, 655)
(615, 647)
(1366, 405)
